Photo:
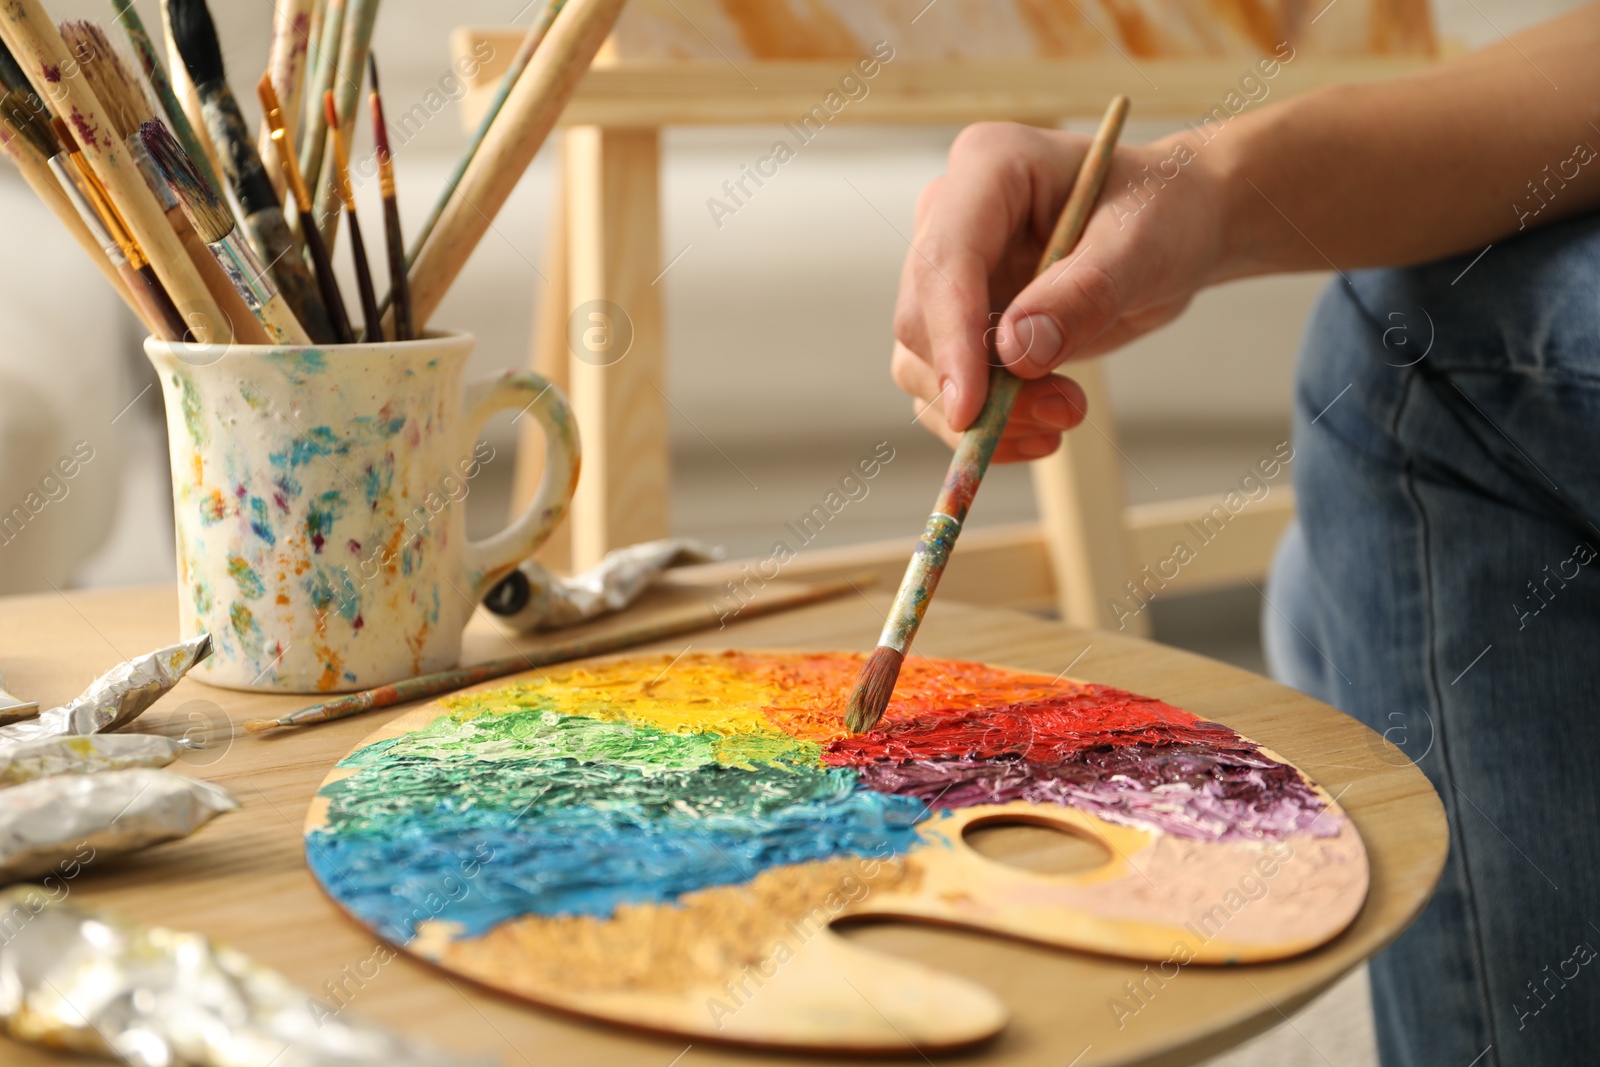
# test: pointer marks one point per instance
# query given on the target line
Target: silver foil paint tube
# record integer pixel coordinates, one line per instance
(53, 821)
(81, 980)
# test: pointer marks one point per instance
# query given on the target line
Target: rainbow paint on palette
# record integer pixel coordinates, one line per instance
(678, 813)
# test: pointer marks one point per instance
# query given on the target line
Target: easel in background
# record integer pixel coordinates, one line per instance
(605, 246)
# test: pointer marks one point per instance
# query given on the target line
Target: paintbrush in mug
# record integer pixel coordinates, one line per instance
(875, 686)
(215, 226)
(22, 142)
(27, 30)
(196, 39)
(393, 239)
(519, 62)
(530, 112)
(321, 262)
(323, 73)
(372, 321)
(688, 619)
(100, 214)
(128, 107)
(156, 74)
(286, 65)
(354, 47)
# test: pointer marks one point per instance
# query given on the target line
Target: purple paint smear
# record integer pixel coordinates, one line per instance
(1207, 794)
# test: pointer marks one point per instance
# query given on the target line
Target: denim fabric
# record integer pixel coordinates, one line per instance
(1442, 586)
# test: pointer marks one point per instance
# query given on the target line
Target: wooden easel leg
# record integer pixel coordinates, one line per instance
(614, 338)
(1082, 505)
(548, 356)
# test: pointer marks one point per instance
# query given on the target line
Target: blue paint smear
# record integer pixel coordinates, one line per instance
(261, 521)
(480, 841)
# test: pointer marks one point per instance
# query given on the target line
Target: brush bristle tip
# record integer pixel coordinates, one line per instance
(875, 686)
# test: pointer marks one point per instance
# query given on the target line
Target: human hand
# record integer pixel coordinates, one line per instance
(968, 282)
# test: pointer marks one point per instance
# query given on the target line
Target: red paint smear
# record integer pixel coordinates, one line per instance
(87, 134)
(52, 73)
(946, 708)
(1040, 731)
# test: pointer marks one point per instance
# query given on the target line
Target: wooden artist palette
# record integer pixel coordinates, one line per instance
(663, 843)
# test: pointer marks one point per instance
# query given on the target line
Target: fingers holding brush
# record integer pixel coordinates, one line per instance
(1046, 408)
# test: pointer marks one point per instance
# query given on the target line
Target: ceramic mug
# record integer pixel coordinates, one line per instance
(319, 499)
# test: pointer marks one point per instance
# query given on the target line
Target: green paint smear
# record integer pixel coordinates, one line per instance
(524, 725)
(189, 401)
(248, 580)
(771, 748)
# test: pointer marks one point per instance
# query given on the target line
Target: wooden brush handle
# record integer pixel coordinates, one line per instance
(148, 291)
(34, 40)
(529, 114)
(353, 48)
(295, 283)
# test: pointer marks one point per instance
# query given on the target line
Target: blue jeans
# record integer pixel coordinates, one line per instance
(1442, 585)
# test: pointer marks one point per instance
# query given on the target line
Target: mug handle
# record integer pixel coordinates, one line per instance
(486, 562)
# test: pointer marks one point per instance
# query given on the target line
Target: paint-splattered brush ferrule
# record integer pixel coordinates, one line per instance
(245, 270)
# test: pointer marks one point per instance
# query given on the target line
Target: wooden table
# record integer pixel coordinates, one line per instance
(243, 879)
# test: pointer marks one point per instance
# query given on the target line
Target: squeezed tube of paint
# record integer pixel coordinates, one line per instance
(531, 598)
(116, 697)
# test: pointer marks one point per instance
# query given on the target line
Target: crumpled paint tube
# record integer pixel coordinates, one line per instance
(117, 697)
(27, 760)
(72, 978)
(51, 821)
(533, 599)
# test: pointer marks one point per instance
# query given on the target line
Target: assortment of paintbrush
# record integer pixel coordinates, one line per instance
(152, 169)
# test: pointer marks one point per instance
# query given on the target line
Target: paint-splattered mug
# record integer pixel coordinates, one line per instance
(319, 494)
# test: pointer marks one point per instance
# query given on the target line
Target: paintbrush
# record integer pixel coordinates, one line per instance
(156, 74)
(196, 38)
(286, 65)
(878, 675)
(30, 144)
(519, 63)
(394, 239)
(129, 108)
(100, 214)
(34, 40)
(215, 226)
(371, 323)
(320, 78)
(321, 262)
(188, 97)
(353, 51)
(687, 619)
(526, 119)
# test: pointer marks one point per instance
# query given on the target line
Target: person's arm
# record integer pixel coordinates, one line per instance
(1398, 172)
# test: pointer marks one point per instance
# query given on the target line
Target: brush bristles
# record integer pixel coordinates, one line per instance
(873, 689)
(11, 74)
(195, 34)
(24, 115)
(209, 215)
(114, 85)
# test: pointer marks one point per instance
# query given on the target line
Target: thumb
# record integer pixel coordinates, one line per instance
(1057, 315)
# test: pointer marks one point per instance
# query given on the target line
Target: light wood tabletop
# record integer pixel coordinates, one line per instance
(243, 879)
